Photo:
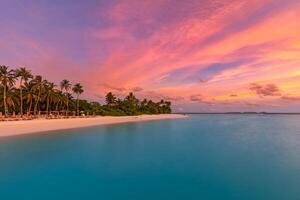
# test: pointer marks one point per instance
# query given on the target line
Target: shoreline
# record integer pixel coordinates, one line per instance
(12, 128)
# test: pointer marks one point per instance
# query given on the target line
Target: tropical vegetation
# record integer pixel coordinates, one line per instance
(22, 93)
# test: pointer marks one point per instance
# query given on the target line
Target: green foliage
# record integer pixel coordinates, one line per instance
(34, 94)
(130, 105)
(110, 99)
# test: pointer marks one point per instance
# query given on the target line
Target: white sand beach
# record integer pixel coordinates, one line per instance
(11, 128)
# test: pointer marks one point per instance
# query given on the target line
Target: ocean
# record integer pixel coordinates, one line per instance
(209, 157)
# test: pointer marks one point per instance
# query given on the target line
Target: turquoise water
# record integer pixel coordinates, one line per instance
(210, 157)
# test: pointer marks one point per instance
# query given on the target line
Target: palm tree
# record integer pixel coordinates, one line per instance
(7, 79)
(66, 85)
(110, 99)
(132, 98)
(39, 84)
(168, 106)
(11, 97)
(143, 105)
(58, 99)
(50, 94)
(29, 93)
(24, 75)
(78, 90)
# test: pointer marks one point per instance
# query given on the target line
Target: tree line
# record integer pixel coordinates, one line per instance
(130, 105)
(23, 93)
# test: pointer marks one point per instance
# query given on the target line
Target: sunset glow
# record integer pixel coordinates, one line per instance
(204, 56)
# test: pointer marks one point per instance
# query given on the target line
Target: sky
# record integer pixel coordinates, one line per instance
(203, 55)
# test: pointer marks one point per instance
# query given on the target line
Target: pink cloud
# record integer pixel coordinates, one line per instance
(265, 90)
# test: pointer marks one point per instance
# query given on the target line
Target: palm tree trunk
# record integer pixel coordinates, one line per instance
(21, 98)
(36, 103)
(50, 104)
(77, 105)
(4, 101)
(56, 108)
(67, 105)
(47, 105)
(30, 106)
(62, 106)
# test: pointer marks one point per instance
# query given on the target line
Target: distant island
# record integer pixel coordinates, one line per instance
(239, 113)
(26, 96)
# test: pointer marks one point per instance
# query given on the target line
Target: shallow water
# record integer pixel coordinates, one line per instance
(242, 157)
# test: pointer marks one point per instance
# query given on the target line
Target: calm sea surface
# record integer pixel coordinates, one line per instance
(210, 157)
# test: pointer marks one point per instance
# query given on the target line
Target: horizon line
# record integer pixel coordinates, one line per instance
(245, 113)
